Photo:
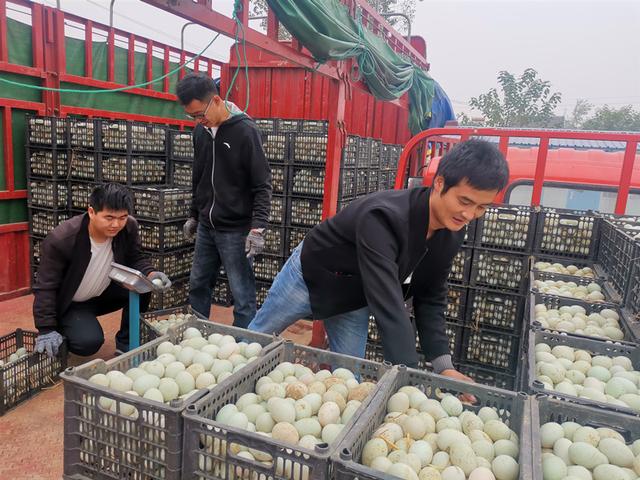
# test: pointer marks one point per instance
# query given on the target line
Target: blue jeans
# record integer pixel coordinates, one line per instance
(213, 249)
(288, 301)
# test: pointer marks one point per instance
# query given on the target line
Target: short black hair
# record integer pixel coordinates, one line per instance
(195, 86)
(112, 196)
(478, 162)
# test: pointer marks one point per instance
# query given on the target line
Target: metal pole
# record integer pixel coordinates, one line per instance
(134, 320)
(182, 34)
(58, 4)
(111, 13)
(406, 18)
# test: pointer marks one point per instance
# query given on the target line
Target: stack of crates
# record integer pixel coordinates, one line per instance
(180, 158)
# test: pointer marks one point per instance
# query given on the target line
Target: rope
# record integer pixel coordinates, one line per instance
(237, 8)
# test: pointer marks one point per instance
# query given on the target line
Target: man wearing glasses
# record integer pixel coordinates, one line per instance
(231, 197)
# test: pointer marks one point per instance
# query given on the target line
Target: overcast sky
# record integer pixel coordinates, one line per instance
(587, 49)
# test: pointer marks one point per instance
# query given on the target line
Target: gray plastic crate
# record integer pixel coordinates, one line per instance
(513, 409)
(545, 409)
(598, 269)
(618, 251)
(595, 347)
(149, 332)
(553, 302)
(610, 296)
(105, 444)
(204, 442)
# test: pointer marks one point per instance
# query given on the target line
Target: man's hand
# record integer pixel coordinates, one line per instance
(451, 373)
(189, 228)
(254, 243)
(49, 343)
(166, 283)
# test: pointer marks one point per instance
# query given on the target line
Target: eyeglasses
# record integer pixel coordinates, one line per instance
(199, 116)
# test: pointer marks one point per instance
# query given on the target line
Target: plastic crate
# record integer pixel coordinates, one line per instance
(513, 409)
(181, 145)
(553, 302)
(279, 178)
(275, 240)
(287, 125)
(309, 149)
(162, 236)
(50, 131)
(132, 169)
(374, 353)
(461, 268)
(566, 233)
(307, 181)
(347, 183)
(598, 271)
(545, 409)
(83, 132)
(162, 204)
(52, 194)
(491, 348)
(79, 193)
(374, 180)
(618, 251)
(83, 165)
(35, 248)
(500, 270)
(222, 292)
(486, 376)
(278, 212)
(456, 303)
(29, 374)
(632, 296)
(375, 153)
(362, 181)
(266, 125)
(105, 444)
(363, 153)
(174, 263)
(508, 228)
(133, 136)
(294, 237)
(277, 147)
(595, 347)
(262, 289)
(495, 310)
(42, 221)
(470, 232)
(207, 443)
(610, 296)
(350, 151)
(266, 267)
(314, 126)
(181, 174)
(176, 296)
(149, 332)
(48, 163)
(306, 212)
(383, 180)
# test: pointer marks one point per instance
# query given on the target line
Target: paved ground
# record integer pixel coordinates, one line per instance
(31, 435)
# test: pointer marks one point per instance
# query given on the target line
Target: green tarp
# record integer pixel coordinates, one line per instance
(328, 31)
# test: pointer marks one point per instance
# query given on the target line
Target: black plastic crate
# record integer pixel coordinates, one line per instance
(277, 215)
(632, 295)
(35, 249)
(279, 178)
(306, 212)
(181, 174)
(363, 155)
(500, 270)
(266, 267)
(175, 263)
(347, 183)
(495, 310)
(374, 180)
(375, 153)
(350, 151)
(222, 292)
(383, 180)
(52, 194)
(262, 288)
(128, 136)
(132, 169)
(181, 145)
(309, 149)
(610, 296)
(314, 126)
(162, 204)
(618, 251)
(83, 132)
(26, 376)
(597, 269)
(83, 165)
(275, 240)
(491, 348)
(374, 353)
(470, 232)
(162, 236)
(49, 163)
(567, 233)
(277, 147)
(49, 131)
(461, 268)
(176, 296)
(79, 193)
(362, 181)
(508, 228)
(150, 327)
(293, 239)
(489, 377)
(288, 125)
(456, 303)
(307, 181)
(42, 221)
(266, 125)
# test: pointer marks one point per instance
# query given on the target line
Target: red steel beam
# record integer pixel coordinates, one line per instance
(7, 149)
(131, 60)
(165, 70)
(94, 112)
(88, 49)
(21, 70)
(4, 49)
(91, 82)
(625, 177)
(37, 37)
(13, 195)
(538, 179)
(149, 64)
(111, 52)
(14, 227)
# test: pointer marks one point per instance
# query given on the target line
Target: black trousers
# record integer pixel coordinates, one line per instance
(80, 325)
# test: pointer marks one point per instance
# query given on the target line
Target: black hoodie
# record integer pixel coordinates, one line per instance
(231, 189)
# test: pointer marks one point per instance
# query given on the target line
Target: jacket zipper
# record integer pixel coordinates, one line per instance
(426, 250)
(213, 169)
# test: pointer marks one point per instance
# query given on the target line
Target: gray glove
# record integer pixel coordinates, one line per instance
(166, 283)
(254, 244)
(190, 227)
(49, 343)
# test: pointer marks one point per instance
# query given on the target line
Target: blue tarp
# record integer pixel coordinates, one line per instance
(441, 108)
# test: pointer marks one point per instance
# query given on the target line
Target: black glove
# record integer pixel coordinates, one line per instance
(49, 343)
(166, 283)
(254, 244)
(189, 228)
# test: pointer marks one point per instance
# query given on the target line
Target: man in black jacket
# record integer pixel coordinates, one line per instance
(73, 285)
(383, 249)
(231, 197)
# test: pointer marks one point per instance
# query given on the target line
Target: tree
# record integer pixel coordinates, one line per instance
(622, 119)
(579, 114)
(526, 101)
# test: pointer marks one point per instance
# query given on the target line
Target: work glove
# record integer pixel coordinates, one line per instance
(166, 283)
(254, 244)
(189, 228)
(49, 343)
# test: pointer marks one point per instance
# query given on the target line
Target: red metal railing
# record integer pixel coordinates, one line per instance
(437, 141)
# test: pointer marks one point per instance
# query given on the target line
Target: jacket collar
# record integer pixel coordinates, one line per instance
(419, 218)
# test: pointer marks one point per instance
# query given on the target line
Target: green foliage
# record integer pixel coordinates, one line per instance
(611, 119)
